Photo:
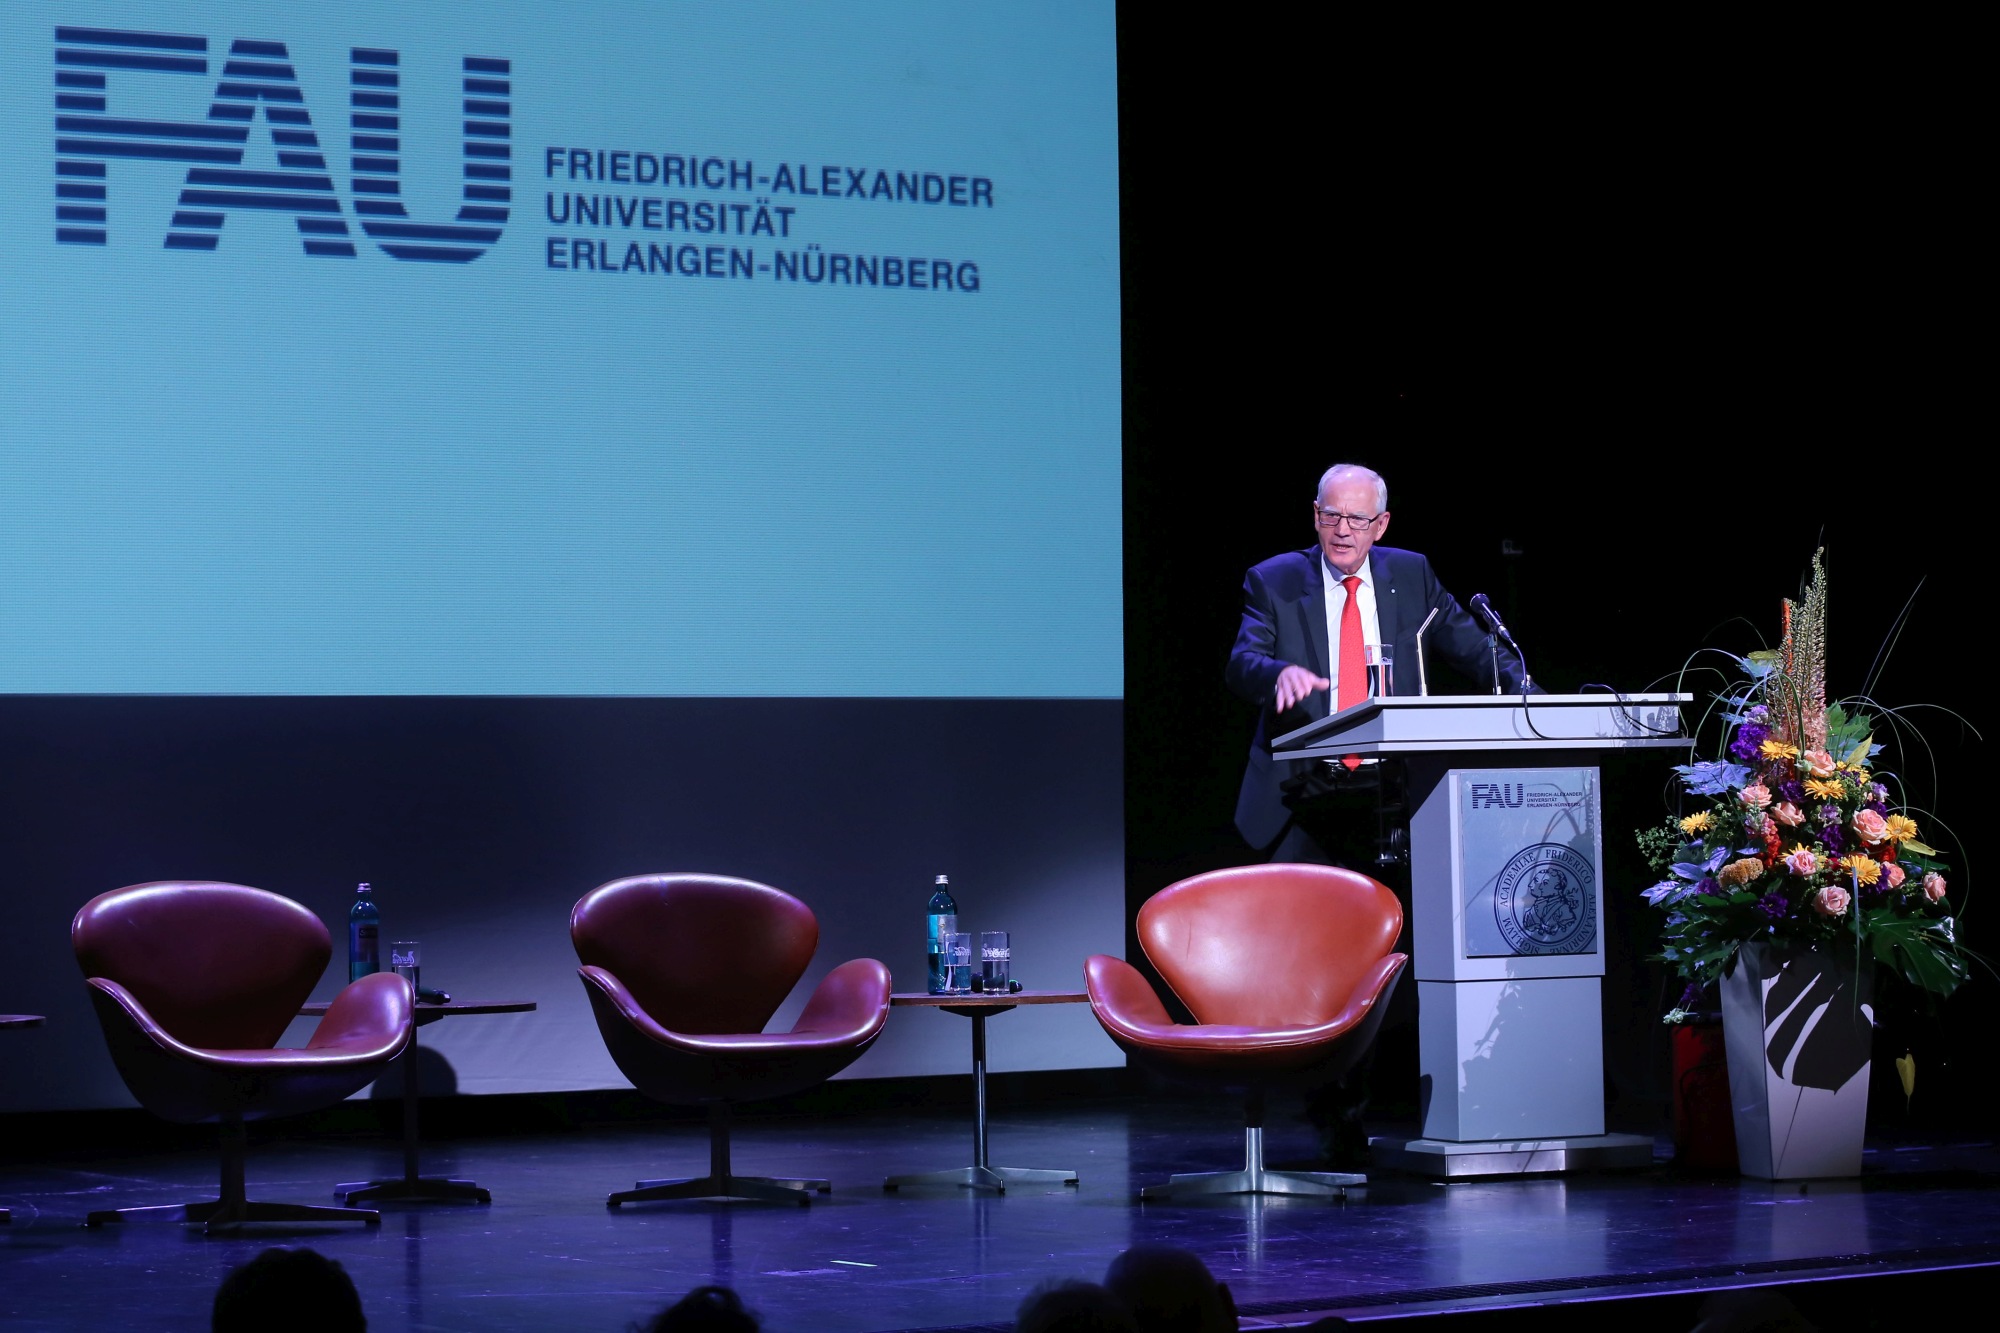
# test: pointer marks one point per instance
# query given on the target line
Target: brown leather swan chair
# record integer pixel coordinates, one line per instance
(1287, 970)
(683, 972)
(194, 984)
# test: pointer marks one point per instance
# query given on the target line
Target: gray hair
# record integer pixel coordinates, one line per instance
(1355, 472)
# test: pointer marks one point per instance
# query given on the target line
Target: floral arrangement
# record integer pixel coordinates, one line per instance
(1798, 841)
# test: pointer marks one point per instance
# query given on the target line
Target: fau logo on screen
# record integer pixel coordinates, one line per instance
(257, 79)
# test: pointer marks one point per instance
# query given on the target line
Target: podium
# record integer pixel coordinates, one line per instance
(1507, 916)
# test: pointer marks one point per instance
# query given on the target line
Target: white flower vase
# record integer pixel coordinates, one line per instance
(1798, 1028)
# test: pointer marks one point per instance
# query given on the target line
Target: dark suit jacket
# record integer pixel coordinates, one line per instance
(1284, 624)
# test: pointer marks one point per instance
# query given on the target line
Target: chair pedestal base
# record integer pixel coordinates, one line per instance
(996, 1178)
(1254, 1178)
(233, 1208)
(762, 1189)
(721, 1182)
(412, 1187)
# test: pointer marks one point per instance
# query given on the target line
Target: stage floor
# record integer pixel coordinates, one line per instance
(547, 1254)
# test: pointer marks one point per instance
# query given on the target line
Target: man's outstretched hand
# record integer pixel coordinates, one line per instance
(1294, 684)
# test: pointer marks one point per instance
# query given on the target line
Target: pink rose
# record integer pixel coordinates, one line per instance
(1831, 901)
(1756, 796)
(1802, 862)
(1892, 876)
(1818, 763)
(1871, 827)
(1934, 886)
(1787, 814)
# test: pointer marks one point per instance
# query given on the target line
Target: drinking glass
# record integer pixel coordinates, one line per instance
(956, 948)
(1381, 671)
(407, 957)
(996, 959)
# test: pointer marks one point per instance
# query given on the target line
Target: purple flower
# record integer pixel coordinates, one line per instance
(1707, 885)
(1829, 837)
(1878, 792)
(1774, 905)
(1878, 807)
(1829, 813)
(1792, 790)
(1758, 714)
(1690, 995)
(1749, 740)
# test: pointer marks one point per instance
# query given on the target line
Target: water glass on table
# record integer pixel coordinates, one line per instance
(996, 960)
(407, 956)
(955, 946)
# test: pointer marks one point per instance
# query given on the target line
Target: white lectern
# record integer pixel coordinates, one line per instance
(1507, 926)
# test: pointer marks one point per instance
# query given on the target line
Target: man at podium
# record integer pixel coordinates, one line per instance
(1301, 654)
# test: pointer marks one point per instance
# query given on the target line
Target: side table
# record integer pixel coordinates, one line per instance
(413, 1184)
(978, 1007)
(17, 1021)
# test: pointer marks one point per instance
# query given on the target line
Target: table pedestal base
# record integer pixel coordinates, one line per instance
(1255, 1178)
(979, 1175)
(221, 1214)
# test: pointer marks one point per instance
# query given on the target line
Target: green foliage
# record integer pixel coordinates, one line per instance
(1658, 844)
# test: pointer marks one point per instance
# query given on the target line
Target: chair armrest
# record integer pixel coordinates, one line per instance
(1121, 997)
(370, 1018)
(850, 1003)
(1373, 986)
(114, 1003)
(613, 992)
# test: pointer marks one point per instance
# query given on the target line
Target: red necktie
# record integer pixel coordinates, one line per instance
(1353, 678)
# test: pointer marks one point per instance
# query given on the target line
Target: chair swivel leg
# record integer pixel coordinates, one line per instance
(1255, 1178)
(232, 1207)
(720, 1182)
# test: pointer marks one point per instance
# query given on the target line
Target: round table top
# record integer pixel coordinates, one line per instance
(319, 1007)
(988, 999)
(20, 1020)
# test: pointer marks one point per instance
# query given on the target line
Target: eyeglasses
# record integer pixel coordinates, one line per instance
(1333, 518)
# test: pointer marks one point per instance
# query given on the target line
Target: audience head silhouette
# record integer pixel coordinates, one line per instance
(704, 1310)
(1073, 1306)
(1170, 1290)
(297, 1290)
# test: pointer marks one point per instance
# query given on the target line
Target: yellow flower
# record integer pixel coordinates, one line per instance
(1777, 749)
(1826, 789)
(1900, 828)
(1696, 823)
(1865, 871)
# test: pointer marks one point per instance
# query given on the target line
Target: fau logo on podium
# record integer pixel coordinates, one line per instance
(256, 79)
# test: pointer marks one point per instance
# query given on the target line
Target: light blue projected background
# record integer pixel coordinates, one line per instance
(253, 470)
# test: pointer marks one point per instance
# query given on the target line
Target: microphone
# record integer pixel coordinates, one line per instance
(1489, 619)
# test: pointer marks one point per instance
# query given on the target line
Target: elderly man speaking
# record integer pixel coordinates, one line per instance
(1308, 617)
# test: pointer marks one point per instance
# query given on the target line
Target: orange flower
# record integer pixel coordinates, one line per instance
(1866, 872)
(1738, 873)
(1777, 749)
(1827, 789)
(1899, 828)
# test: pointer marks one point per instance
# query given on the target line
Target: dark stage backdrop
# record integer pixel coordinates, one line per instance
(1623, 365)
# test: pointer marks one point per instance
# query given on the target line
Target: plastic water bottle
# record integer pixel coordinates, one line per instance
(364, 935)
(943, 918)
